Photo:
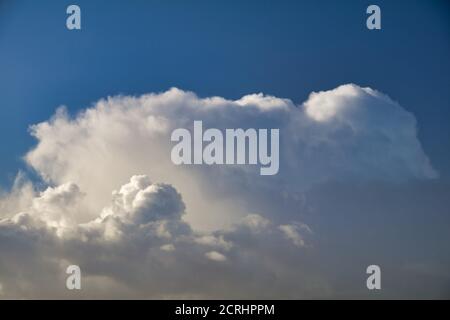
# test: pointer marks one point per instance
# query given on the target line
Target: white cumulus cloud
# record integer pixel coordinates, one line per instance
(185, 231)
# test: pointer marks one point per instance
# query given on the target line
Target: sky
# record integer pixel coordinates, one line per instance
(377, 194)
(224, 48)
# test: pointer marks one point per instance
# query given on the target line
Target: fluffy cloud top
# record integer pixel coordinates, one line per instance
(346, 133)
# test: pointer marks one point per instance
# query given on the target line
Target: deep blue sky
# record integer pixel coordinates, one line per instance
(226, 48)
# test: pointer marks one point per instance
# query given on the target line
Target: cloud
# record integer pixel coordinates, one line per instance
(345, 133)
(18, 197)
(167, 247)
(216, 256)
(206, 231)
(292, 232)
(139, 233)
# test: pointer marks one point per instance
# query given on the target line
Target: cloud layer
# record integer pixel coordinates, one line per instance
(209, 231)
